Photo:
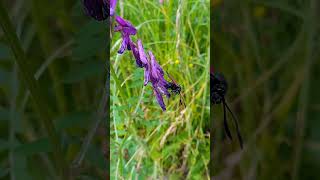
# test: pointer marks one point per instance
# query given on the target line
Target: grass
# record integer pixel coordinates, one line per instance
(268, 51)
(146, 142)
(52, 84)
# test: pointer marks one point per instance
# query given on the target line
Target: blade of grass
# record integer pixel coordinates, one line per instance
(46, 40)
(302, 114)
(12, 127)
(36, 93)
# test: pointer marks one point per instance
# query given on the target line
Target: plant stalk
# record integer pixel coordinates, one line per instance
(36, 93)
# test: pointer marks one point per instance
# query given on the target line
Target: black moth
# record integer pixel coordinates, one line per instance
(218, 90)
(175, 88)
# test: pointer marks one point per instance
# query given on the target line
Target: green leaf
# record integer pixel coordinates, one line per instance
(4, 114)
(92, 28)
(138, 74)
(89, 40)
(38, 146)
(4, 78)
(5, 52)
(88, 47)
(84, 71)
(4, 145)
(136, 84)
(20, 167)
(120, 108)
(170, 149)
(73, 120)
(96, 158)
(156, 155)
(4, 172)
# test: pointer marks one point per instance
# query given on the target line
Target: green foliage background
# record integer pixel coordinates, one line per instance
(269, 53)
(267, 49)
(65, 52)
(146, 142)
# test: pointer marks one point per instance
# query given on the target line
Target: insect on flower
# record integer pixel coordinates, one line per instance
(218, 90)
(175, 88)
(155, 75)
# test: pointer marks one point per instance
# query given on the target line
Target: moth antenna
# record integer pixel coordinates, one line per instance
(237, 125)
(225, 123)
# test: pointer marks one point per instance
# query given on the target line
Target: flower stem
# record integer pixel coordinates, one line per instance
(35, 91)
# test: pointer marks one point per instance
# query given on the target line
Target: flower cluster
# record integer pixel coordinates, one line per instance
(153, 72)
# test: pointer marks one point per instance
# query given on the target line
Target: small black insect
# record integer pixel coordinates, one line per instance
(218, 90)
(175, 88)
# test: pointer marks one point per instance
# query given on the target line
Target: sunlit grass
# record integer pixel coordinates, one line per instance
(146, 142)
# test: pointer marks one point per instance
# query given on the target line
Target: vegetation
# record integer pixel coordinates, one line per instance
(145, 141)
(52, 91)
(269, 53)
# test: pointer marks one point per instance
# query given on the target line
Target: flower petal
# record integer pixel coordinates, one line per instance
(113, 4)
(117, 28)
(123, 46)
(146, 75)
(136, 54)
(156, 70)
(126, 24)
(128, 28)
(162, 84)
(159, 98)
(143, 56)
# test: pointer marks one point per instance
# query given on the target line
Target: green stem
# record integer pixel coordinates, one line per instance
(35, 91)
(46, 41)
(117, 81)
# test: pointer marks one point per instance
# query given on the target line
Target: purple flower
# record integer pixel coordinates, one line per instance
(126, 29)
(156, 77)
(144, 62)
(113, 4)
(140, 56)
(96, 8)
(136, 54)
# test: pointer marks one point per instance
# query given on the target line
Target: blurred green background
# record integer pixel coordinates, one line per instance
(269, 52)
(147, 143)
(66, 52)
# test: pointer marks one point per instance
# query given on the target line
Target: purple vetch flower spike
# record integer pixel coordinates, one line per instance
(136, 54)
(146, 75)
(156, 77)
(159, 98)
(143, 56)
(156, 70)
(113, 4)
(159, 89)
(125, 26)
(145, 62)
(96, 8)
(125, 44)
(126, 29)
